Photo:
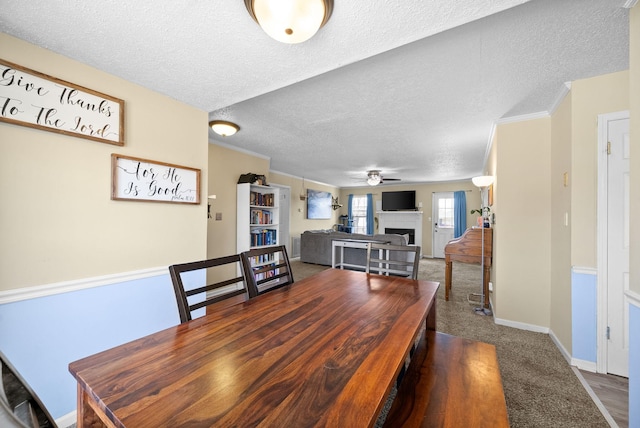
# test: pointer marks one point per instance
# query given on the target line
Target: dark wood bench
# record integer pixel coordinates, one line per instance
(454, 383)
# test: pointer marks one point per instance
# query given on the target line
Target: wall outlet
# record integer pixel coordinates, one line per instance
(218, 216)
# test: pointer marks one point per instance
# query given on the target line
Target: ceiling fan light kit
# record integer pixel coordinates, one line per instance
(290, 21)
(374, 178)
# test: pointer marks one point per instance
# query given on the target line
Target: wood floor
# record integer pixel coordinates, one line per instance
(613, 393)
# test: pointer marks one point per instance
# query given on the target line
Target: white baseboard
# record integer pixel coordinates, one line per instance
(67, 420)
(588, 366)
(522, 326)
(563, 350)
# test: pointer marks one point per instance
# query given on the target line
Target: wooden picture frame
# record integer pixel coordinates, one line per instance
(36, 100)
(137, 179)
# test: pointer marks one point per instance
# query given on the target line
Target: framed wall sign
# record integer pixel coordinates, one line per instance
(36, 100)
(135, 179)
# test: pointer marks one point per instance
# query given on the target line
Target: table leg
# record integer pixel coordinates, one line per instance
(447, 279)
(87, 416)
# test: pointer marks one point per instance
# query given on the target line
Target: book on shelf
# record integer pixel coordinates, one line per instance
(261, 217)
(261, 199)
(262, 237)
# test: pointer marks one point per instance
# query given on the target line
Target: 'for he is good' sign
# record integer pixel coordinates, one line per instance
(137, 179)
(36, 100)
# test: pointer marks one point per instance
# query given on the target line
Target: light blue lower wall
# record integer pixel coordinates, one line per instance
(42, 336)
(634, 365)
(584, 295)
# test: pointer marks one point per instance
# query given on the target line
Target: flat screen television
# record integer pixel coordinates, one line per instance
(399, 201)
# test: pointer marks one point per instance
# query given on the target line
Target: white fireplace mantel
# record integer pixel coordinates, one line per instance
(401, 220)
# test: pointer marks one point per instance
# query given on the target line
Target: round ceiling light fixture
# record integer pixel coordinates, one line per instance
(224, 128)
(290, 21)
(373, 178)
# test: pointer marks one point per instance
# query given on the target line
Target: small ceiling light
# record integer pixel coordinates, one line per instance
(224, 128)
(290, 21)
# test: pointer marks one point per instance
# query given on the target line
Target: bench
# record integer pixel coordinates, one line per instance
(454, 383)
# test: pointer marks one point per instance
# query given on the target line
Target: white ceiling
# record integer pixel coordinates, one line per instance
(410, 87)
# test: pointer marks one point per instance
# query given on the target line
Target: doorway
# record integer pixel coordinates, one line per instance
(443, 221)
(613, 243)
(284, 216)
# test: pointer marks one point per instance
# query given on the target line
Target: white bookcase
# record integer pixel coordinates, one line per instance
(258, 215)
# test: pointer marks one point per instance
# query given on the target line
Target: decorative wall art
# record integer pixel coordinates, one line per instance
(36, 100)
(318, 204)
(135, 179)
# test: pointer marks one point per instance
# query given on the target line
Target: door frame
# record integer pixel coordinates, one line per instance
(602, 238)
(286, 234)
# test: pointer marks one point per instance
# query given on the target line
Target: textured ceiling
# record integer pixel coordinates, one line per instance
(409, 87)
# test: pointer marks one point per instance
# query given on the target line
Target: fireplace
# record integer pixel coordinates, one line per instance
(398, 231)
(402, 222)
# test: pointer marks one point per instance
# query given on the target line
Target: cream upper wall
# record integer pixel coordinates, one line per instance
(298, 222)
(58, 222)
(424, 195)
(590, 97)
(522, 240)
(560, 303)
(634, 94)
(225, 167)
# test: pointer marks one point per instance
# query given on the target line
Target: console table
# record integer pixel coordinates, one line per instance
(341, 244)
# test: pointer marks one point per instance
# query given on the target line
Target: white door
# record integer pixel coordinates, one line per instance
(284, 215)
(618, 246)
(442, 218)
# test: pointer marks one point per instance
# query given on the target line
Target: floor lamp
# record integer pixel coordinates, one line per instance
(482, 182)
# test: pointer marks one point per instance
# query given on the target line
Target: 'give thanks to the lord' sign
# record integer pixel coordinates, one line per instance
(136, 179)
(33, 99)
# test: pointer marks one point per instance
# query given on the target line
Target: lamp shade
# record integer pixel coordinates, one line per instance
(483, 181)
(290, 21)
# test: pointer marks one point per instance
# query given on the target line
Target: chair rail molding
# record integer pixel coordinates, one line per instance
(26, 293)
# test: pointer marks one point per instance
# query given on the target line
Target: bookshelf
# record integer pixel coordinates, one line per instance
(257, 216)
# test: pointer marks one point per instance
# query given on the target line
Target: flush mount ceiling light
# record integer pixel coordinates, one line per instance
(290, 21)
(224, 128)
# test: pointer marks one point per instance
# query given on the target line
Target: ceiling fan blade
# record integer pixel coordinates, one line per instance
(392, 179)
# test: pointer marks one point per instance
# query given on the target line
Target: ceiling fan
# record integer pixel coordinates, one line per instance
(374, 178)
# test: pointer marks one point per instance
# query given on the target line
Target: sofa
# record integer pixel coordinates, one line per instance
(315, 246)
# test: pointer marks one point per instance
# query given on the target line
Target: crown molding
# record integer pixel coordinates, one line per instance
(238, 149)
(629, 4)
(564, 91)
(523, 117)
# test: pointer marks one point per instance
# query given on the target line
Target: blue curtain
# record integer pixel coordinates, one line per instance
(459, 213)
(350, 212)
(369, 214)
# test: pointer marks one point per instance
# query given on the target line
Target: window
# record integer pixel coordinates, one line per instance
(359, 212)
(445, 212)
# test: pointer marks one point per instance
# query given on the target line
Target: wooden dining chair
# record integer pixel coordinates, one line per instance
(223, 279)
(388, 259)
(20, 407)
(266, 269)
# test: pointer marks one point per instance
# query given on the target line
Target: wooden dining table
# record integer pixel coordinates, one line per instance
(324, 351)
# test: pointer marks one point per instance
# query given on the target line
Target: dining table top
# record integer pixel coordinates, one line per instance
(324, 351)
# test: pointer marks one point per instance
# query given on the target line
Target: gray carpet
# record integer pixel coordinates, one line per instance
(540, 388)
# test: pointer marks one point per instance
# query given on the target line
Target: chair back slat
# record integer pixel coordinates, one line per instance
(266, 269)
(388, 259)
(20, 407)
(228, 266)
